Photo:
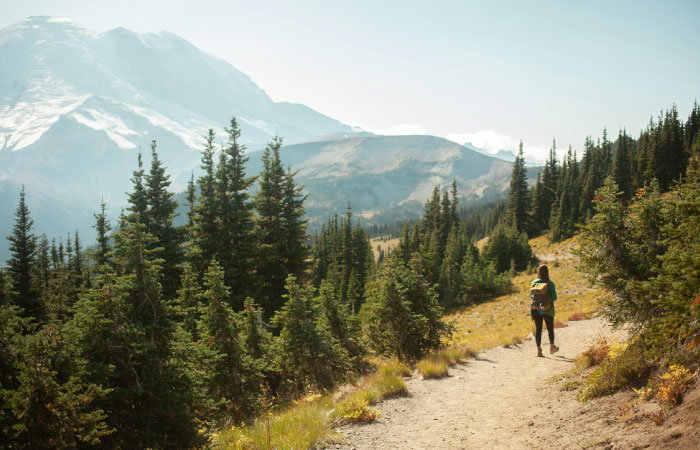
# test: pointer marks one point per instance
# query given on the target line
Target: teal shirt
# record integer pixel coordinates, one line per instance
(552, 295)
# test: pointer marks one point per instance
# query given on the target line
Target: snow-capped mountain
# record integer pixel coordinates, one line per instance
(76, 105)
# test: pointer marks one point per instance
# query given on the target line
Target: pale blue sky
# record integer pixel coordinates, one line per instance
(492, 72)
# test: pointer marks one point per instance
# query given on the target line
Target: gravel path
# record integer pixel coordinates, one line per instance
(500, 400)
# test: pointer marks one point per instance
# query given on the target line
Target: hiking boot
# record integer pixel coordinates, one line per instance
(553, 349)
(539, 353)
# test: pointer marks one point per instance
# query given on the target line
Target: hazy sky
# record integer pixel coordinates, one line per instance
(489, 72)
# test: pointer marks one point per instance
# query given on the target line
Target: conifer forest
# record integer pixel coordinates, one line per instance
(156, 333)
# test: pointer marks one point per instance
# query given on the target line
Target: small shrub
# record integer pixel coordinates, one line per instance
(616, 349)
(672, 386)
(597, 352)
(614, 373)
(356, 409)
(560, 325)
(432, 368)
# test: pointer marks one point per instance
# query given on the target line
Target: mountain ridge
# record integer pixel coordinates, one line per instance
(77, 105)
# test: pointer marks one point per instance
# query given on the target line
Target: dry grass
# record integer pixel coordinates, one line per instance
(308, 422)
(387, 245)
(506, 319)
(436, 364)
(432, 368)
(303, 426)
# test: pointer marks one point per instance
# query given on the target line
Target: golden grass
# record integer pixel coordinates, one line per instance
(394, 368)
(506, 319)
(303, 426)
(432, 368)
(387, 245)
(436, 364)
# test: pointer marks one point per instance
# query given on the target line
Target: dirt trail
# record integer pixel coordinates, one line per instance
(500, 400)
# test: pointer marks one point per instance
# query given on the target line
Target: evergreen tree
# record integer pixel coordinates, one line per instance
(508, 247)
(124, 328)
(237, 246)
(78, 265)
(691, 129)
(454, 218)
(206, 217)
(518, 206)
(480, 280)
(188, 303)
(293, 226)
(269, 203)
(43, 262)
(12, 328)
(159, 223)
(20, 266)
(5, 288)
(450, 276)
(257, 339)
(53, 405)
(191, 202)
(590, 178)
(402, 316)
(103, 227)
(339, 324)
(306, 351)
(138, 199)
(233, 383)
(622, 168)
(565, 211)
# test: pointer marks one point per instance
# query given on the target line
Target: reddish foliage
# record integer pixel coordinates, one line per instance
(579, 316)
(560, 325)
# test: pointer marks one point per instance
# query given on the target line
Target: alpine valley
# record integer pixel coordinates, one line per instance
(76, 106)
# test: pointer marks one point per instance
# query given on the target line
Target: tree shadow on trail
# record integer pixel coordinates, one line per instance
(479, 358)
(561, 358)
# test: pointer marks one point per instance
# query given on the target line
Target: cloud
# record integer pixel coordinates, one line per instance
(491, 141)
(393, 130)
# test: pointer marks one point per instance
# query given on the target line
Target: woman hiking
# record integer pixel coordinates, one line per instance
(543, 293)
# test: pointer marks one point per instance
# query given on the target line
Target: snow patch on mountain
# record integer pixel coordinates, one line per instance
(192, 131)
(43, 101)
(113, 126)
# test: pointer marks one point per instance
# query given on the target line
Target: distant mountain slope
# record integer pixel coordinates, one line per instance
(388, 175)
(76, 105)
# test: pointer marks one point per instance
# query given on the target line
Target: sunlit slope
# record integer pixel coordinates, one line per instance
(506, 319)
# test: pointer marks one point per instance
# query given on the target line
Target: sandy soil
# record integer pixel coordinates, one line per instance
(502, 399)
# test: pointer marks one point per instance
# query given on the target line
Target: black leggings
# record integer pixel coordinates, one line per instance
(549, 320)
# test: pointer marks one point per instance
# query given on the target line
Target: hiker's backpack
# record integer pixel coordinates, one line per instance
(541, 300)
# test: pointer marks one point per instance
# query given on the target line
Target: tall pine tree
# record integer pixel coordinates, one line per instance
(20, 266)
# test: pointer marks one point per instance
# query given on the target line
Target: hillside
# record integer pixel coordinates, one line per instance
(388, 178)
